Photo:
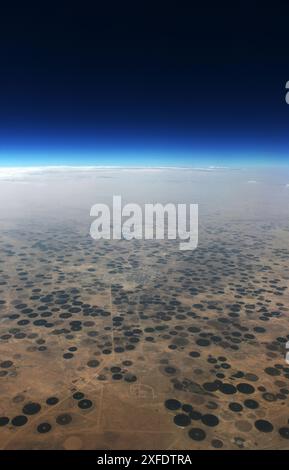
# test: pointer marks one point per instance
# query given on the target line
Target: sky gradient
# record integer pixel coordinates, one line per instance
(144, 84)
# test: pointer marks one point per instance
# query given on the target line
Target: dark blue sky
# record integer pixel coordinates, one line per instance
(144, 83)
